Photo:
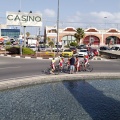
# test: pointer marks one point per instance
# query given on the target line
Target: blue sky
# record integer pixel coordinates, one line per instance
(73, 13)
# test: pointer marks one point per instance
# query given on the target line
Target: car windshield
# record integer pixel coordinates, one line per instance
(115, 48)
(32, 47)
(72, 48)
(83, 50)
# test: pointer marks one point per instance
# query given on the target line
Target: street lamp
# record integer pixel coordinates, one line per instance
(25, 32)
(57, 26)
(20, 41)
(105, 23)
(105, 28)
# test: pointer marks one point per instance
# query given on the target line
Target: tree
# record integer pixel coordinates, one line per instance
(51, 44)
(79, 34)
(48, 40)
(27, 34)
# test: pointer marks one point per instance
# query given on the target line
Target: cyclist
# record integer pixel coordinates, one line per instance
(53, 65)
(61, 61)
(72, 65)
(77, 64)
(68, 62)
(85, 61)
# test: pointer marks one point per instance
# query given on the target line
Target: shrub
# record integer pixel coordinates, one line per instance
(13, 50)
(27, 51)
(73, 44)
(8, 43)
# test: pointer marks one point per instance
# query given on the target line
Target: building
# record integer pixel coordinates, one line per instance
(11, 33)
(92, 36)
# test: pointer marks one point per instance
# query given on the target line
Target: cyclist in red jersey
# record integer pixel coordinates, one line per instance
(85, 61)
(77, 63)
(61, 61)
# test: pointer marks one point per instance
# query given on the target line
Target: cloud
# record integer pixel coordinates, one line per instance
(49, 13)
(94, 19)
(102, 14)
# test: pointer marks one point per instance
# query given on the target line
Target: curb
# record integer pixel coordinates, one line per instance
(94, 58)
(28, 57)
(9, 84)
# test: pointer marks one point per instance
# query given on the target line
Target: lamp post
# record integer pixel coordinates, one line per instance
(57, 26)
(20, 41)
(105, 29)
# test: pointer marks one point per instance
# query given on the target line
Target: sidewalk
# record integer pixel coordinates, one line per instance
(38, 57)
(7, 84)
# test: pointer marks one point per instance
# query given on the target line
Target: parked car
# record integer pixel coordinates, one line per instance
(104, 48)
(82, 52)
(81, 46)
(33, 47)
(74, 49)
(115, 48)
(67, 53)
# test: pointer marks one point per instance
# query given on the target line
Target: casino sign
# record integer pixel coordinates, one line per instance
(23, 19)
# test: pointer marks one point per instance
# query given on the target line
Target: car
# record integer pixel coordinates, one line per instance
(82, 52)
(67, 53)
(115, 48)
(74, 49)
(33, 47)
(81, 46)
(104, 48)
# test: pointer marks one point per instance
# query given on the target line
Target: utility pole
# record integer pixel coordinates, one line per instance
(57, 27)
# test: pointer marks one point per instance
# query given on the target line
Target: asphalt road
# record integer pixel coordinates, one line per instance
(21, 67)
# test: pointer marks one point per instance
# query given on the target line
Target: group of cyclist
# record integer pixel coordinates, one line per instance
(73, 62)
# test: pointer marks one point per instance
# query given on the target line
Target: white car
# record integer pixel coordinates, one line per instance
(33, 47)
(82, 52)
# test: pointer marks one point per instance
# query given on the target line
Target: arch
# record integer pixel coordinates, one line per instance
(91, 30)
(69, 29)
(91, 39)
(67, 39)
(112, 40)
(113, 30)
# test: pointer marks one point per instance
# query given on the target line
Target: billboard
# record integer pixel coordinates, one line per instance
(23, 19)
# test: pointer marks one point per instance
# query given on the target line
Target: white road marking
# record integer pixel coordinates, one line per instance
(10, 67)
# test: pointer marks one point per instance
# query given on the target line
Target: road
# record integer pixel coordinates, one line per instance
(21, 67)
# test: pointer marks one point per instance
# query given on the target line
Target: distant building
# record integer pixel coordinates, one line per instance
(11, 33)
(92, 36)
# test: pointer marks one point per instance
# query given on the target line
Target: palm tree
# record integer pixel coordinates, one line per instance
(79, 34)
(27, 34)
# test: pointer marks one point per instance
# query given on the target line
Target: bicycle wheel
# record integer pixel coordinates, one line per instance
(47, 71)
(89, 68)
(66, 68)
(57, 70)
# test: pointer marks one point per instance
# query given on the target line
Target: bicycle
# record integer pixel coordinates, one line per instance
(66, 68)
(88, 68)
(48, 70)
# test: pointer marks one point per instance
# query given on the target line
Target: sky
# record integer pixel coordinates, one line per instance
(100, 14)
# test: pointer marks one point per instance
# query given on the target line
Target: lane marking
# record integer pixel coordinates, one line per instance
(10, 67)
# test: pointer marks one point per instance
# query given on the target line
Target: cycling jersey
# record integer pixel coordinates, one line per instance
(85, 60)
(53, 64)
(61, 62)
(77, 62)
